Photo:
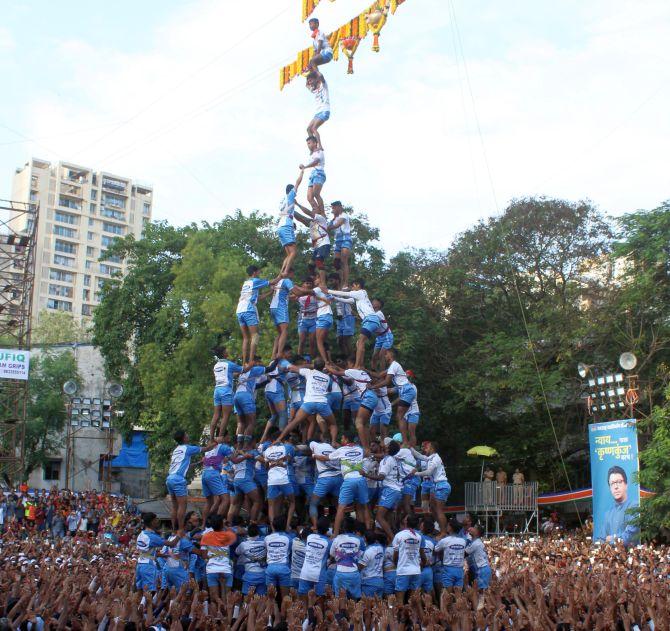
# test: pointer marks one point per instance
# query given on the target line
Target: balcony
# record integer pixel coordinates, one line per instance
(71, 190)
(115, 185)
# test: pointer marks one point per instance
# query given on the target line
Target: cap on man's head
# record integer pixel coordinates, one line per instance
(336, 203)
(387, 440)
(397, 437)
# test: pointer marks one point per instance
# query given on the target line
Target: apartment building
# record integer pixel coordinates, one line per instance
(82, 212)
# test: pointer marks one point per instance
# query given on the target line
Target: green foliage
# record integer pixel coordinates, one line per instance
(59, 327)
(46, 412)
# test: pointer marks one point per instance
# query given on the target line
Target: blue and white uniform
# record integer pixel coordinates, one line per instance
(371, 465)
(177, 564)
(389, 571)
(322, 98)
(354, 488)
(146, 572)
(347, 550)
(279, 302)
(224, 372)
(329, 478)
(433, 467)
(350, 399)
(313, 571)
(383, 409)
(407, 543)
(278, 556)
(251, 554)
(478, 561)
(342, 233)
(407, 463)
(274, 389)
(413, 415)
(366, 398)
(213, 483)
(346, 321)
(285, 226)
(334, 395)
(318, 233)
(384, 338)
(247, 314)
(245, 394)
(279, 484)
(318, 174)
(303, 465)
(308, 306)
(391, 484)
(324, 312)
(296, 384)
(452, 549)
(406, 390)
(370, 322)
(372, 574)
(297, 559)
(322, 45)
(179, 464)
(428, 546)
(243, 478)
(316, 392)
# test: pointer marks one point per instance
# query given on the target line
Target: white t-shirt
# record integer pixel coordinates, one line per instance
(370, 465)
(398, 374)
(408, 545)
(346, 550)
(277, 548)
(297, 557)
(322, 97)
(363, 304)
(277, 474)
(320, 38)
(406, 461)
(351, 460)
(383, 402)
(324, 302)
(390, 469)
(360, 377)
(320, 158)
(316, 385)
(324, 469)
(453, 550)
(318, 231)
(316, 554)
(373, 560)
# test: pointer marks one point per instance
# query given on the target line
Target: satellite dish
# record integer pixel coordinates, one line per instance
(627, 361)
(583, 370)
(115, 390)
(70, 387)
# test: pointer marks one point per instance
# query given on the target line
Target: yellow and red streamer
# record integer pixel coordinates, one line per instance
(368, 21)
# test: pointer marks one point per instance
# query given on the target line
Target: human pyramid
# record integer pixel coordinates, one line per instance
(300, 463)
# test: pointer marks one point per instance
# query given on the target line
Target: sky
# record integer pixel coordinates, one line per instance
(468, 105)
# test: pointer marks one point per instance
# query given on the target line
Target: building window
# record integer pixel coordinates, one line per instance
(91, 221)
(113, 200)
(88, 265)
(90, 236)
(87, 280)
(113, 228)
(107, 241)
(62, 231)
(146, 209)
(90, 251)
(66, 261)
(60, 290)
(113, 214)
(66, 218)
(109, 269)
(59, 274)
(64, 246)
(59, 305)
(52, 470)
(111, 259)
(100, 282)
(69, 203)
(86, 294)
(113, 184)
(92, 208)
(94, 194)
(86, 309)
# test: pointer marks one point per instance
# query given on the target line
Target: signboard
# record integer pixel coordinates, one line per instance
(14, 364)
(614, 468)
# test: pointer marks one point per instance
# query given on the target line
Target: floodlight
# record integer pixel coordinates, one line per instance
(594, 408)
(70, 387)
(602, 394)
(107, 402)
(627, 361)
(592, 383)
(603, 407)
(600, 381)
(610, 393)
(593, 395)
(618, 377)
(620, 391)
(95, 423)
(85, 423)
(583, 370)
(115, 390)
(106, 413)
(622, 404)
(95, 413)
(85, 412)
(74, 411)
(609, 379)
(76, 401)
(96, 401)
(106, 424)
(74, 422)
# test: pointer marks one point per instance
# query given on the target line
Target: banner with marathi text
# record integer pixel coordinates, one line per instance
(614, 469)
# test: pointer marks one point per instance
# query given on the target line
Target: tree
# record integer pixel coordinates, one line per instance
(59, 327)
(46, 412)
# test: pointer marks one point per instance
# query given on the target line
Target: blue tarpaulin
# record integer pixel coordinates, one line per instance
(133, 454)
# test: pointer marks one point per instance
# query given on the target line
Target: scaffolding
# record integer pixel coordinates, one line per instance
(494, 502)
(18, 226)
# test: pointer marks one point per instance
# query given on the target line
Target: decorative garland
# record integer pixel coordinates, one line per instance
(348, 36)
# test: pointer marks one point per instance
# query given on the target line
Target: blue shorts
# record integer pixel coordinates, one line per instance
(244, 403)
(317, 176)
(389, 583)
(328, 486)
(346, 326)
(384, 341)
(275, 397)
(349, 581)
(426, 487)
(279, 490)
(318, 586)
(390, 498)
(326, 55)
(353, 490)
(370, 325)
(244, 486)
(407, 393)
(427, 579)
(441, 491)
(483, 577)
(261, 478)
(254, 579)
(176, 485)
(380, 419)
(146, 576)
(278, 574)
(213, 483)
(279, 316)
(451, 576)
(248, 318)
(342, 244)
(410, 487)
(351, 404)
(324, 322)
(412, 418)
(223, 395)
(407, 582)
(175, 577)
(323, 409)
(303, 488)
(308, 325)
(295, 582)
(321, 253)
(214, 578)
(296, 405)
(322, 116)
(334, 401)
(286, 235)
(372, 587)
(369, 400)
